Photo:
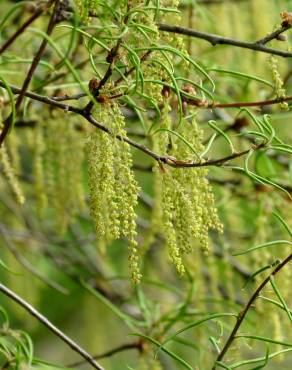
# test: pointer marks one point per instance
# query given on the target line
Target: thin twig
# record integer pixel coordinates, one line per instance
(21, 29)
(273, 35)
(162, 159)
(32, 311)
(110, 353)
(111, 58)
(34, 64)
(261, 103)
(220, 40)
(202, 104)
(244, 312)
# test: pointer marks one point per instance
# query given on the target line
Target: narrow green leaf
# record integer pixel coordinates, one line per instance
(264, 245)
(264, 339)
(167, 351)
(281, 298)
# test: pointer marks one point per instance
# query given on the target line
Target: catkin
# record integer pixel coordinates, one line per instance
(112, 185)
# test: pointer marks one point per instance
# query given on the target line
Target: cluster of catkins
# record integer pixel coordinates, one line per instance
(184, 210)
(184, 207)
(10, 174)
(278, 82)
(112, 184)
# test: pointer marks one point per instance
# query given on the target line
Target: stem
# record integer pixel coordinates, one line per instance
(17, 33)
(261, 103)
(220, 40)
(162, 159)
(111, 58)
(8, 122)
(273, 35)
(32, 311)
(244, 312)
(111, 352)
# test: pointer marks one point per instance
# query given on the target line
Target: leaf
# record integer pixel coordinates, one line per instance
(259, 359)
(265, 361)
(241, 74)
(279, 295)
(260, 270)
(128, 320)
(264, 245)
(197, 323)
(165, 350)
(222, 133)
(286, 226)
(264, 339)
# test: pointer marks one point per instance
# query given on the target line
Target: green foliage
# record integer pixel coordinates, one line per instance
(129, 146)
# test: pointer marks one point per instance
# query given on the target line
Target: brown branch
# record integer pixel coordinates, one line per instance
(244, 312)
(207, 105)
(124, 347)
(113, 54)
(32, 311)
(275, 34)
(8, 122)
(202, 104)
(44, 99)
(220, 40)
(168, 160)
(17, 33)
(119, 80)
(171, 161)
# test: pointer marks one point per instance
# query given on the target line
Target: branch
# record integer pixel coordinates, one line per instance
(244, 312)
(261, 103)
(22, 28)
(220, 40)
(113, 54)
(32, 311)
(275, 34)
(9, 120)
(202, 104)
(110, 353)
(44, 99)
(168, 160)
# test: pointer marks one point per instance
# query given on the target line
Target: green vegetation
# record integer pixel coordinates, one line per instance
(145, 184)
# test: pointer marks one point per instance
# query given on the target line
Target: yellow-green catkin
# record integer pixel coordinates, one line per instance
(10, 163)
(10, 175)
(175, 40)
(112, 185)
(188, 210)
(38, 170)
(278, 82)
(13, 142)
(264, 257)
(85, 8)
(148, 362)
(63, 161)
